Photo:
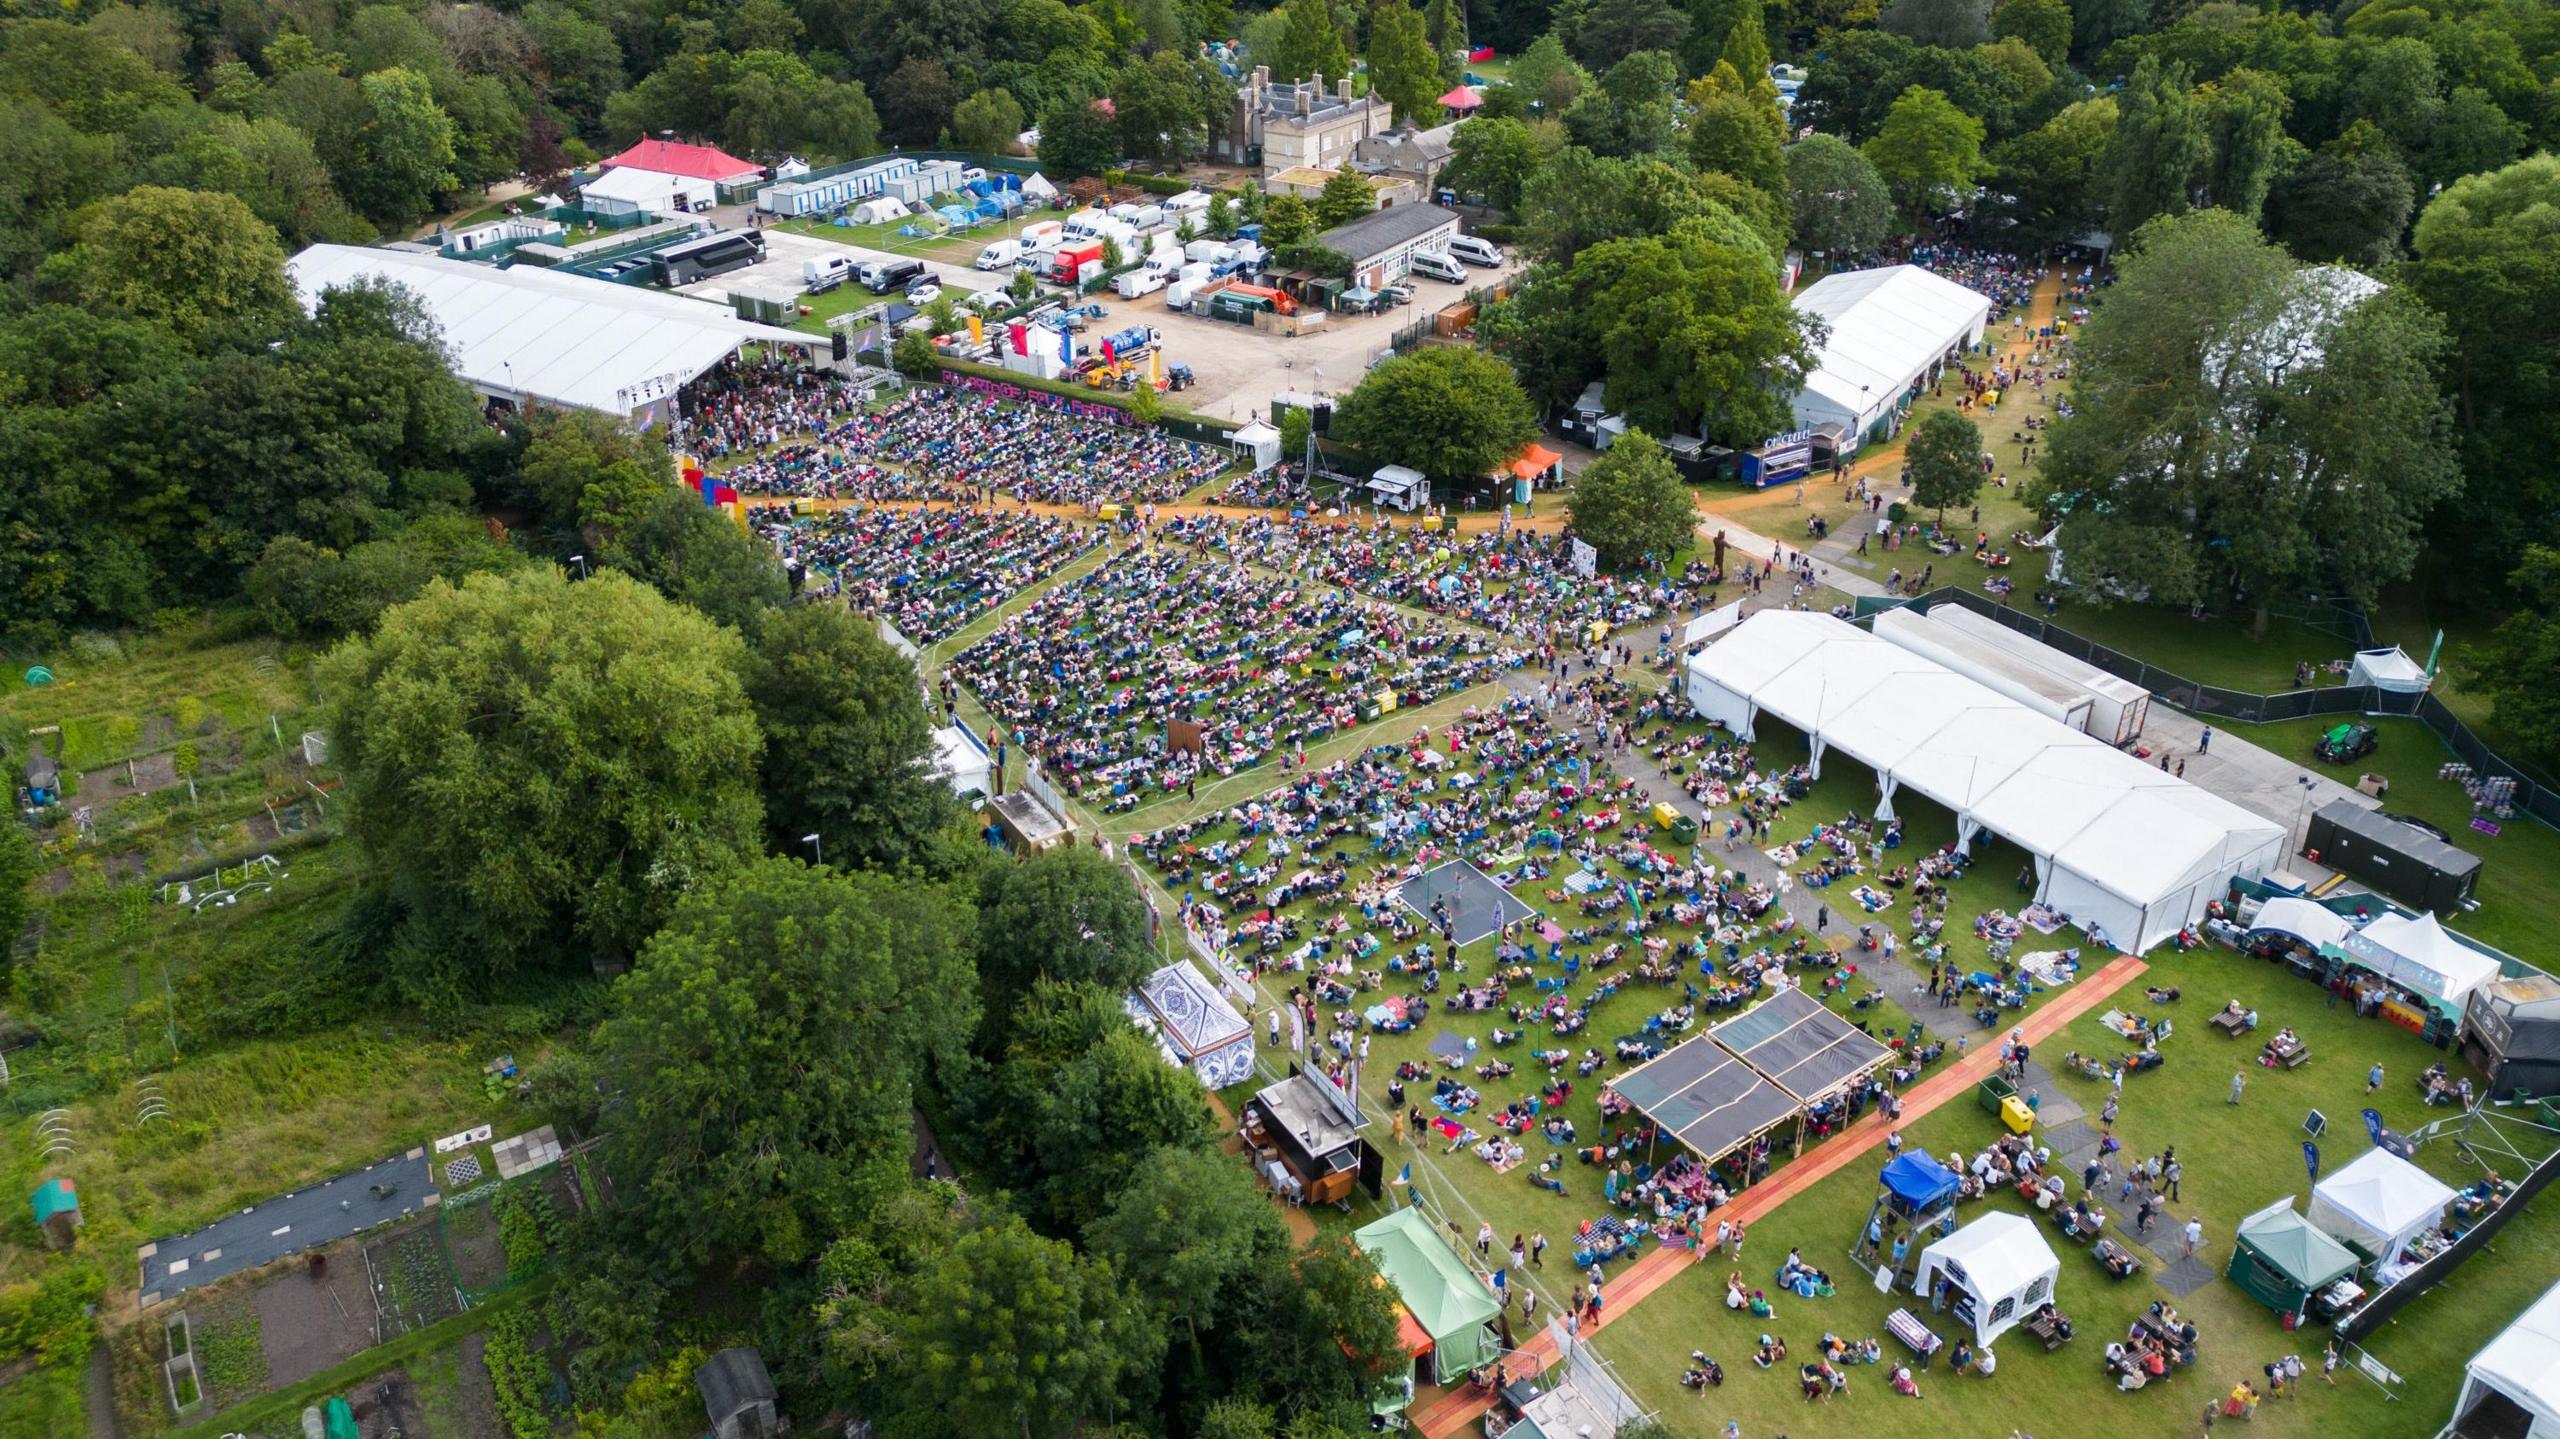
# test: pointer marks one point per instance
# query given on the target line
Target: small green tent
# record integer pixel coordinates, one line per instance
(2281, 1261)
(1451, 1306)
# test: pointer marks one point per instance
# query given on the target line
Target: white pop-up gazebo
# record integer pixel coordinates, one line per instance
(2512, 1386)
(2379, 1203)
(2418, 955)
(2001, 1269)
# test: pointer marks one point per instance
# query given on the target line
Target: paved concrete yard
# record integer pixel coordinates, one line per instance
(287, 1225)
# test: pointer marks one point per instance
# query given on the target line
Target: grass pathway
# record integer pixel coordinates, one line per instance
(1455, 1410)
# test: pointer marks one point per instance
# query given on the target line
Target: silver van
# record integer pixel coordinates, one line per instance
(1476, 251)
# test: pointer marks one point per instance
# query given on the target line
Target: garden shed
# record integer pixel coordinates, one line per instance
(738, 1394)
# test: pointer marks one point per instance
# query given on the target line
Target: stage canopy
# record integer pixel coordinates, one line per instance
(563, 339)
(1705, 1098)
(2121, 847)
(1799, 1045)
(1437, 1288)
(2379, 1202)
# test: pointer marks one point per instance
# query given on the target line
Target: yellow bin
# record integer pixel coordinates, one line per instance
(1111, 512)
(2015, 1114)
(1664, 816)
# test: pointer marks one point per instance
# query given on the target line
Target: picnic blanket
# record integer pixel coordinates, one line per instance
(2052, 966)
(1583, 881)
(1449, 1047)
(2041, 918)
(1872, 899)
(1786, 854)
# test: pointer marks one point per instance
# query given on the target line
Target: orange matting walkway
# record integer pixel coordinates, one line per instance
(1459, 1407)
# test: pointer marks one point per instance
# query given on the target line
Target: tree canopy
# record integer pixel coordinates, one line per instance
(1453, 414)
(1630, 505)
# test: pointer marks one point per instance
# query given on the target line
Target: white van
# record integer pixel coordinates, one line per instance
(1130, 284)
(1041, 234)
(1439, 267)
(823, 273)
(998, 255)
(1476, 251)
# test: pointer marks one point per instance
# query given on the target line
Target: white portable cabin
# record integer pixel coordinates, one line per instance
(2118, 707)
(1399, 488)
(815, 197)
(1988, 665)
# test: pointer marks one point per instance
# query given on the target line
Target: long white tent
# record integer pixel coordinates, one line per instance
(1885, 330)
(2125, 850)
(2512, 1386)
(527, 333)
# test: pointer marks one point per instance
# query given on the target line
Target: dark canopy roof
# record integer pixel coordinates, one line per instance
(731, 1380)
(1705, 1098)
(1806, 1049)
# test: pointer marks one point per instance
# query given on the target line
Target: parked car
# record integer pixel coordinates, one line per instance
(924, 292)
(1476, 251)
(2343, 743)
(1396, 295)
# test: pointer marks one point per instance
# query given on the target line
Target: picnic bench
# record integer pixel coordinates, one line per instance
(2291, 1056)
(2048, 1327)
(1916, 1336)
(2119, 1261)
(2230, 1024)
(2076, 1226)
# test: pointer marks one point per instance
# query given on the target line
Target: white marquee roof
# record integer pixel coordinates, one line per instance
(2303, 920)
(1888, 326)
(648, 189)
(556, 337)
(2524, 1360)
(2378, 1201)
(2126, 847)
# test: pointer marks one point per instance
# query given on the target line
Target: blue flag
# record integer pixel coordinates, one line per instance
(2311, 1159)
(2373, 1125)
(1066, 349)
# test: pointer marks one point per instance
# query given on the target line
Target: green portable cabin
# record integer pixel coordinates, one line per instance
(2280, 1260)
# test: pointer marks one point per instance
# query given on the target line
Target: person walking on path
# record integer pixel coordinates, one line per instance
(2205, 741)
(2195, 1234)
(1519, 1253)
(1484, 1240)
(2238, 1080)
(2107, 1115)
(2169, 1174)
(1538, 1250)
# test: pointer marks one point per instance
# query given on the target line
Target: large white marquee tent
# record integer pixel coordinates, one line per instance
(527, 333)
(2124, 849)
(1887, 329)
(2512, 1386)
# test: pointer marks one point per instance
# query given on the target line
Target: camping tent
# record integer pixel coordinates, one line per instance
(2511, 1388)
(1918, 1182)
(2303, 919)
(2280, 1260)
(2419, 956)
(1036, 188)
(2390, 670)
(1194, 1025)
(1453, 1309)
(2001, 1269)
(2379, 1203)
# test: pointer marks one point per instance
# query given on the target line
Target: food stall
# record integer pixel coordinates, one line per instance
(2427, 976)
(2285, 1262)
(1306, 1141)
(2382, 1207)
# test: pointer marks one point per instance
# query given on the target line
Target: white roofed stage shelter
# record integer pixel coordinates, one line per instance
(548, 336)
(1195, 1025)
(1889, 330)
(2001, 1269)
(2121, 848)
(2511, 1388)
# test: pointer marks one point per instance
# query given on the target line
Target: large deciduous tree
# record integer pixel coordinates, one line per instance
(1065, 914)
(2157, 148)
(1928, 151)
(1077, 138)
(1944, 454)
(1453, 414)
(404, 149)
(1630, 504)
(1311, 45)
(2518, 667)
(200, 264)
(2244, 427)
(2348, 203)
(537, 767)
(1495, 159)
(2051, 179)
(1840, 202)
(1734, 128)
(760, 1067)
(1013, 1334)
(2488, 260)
(846, 740)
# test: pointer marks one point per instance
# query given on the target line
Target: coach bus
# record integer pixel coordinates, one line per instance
(714, 254)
